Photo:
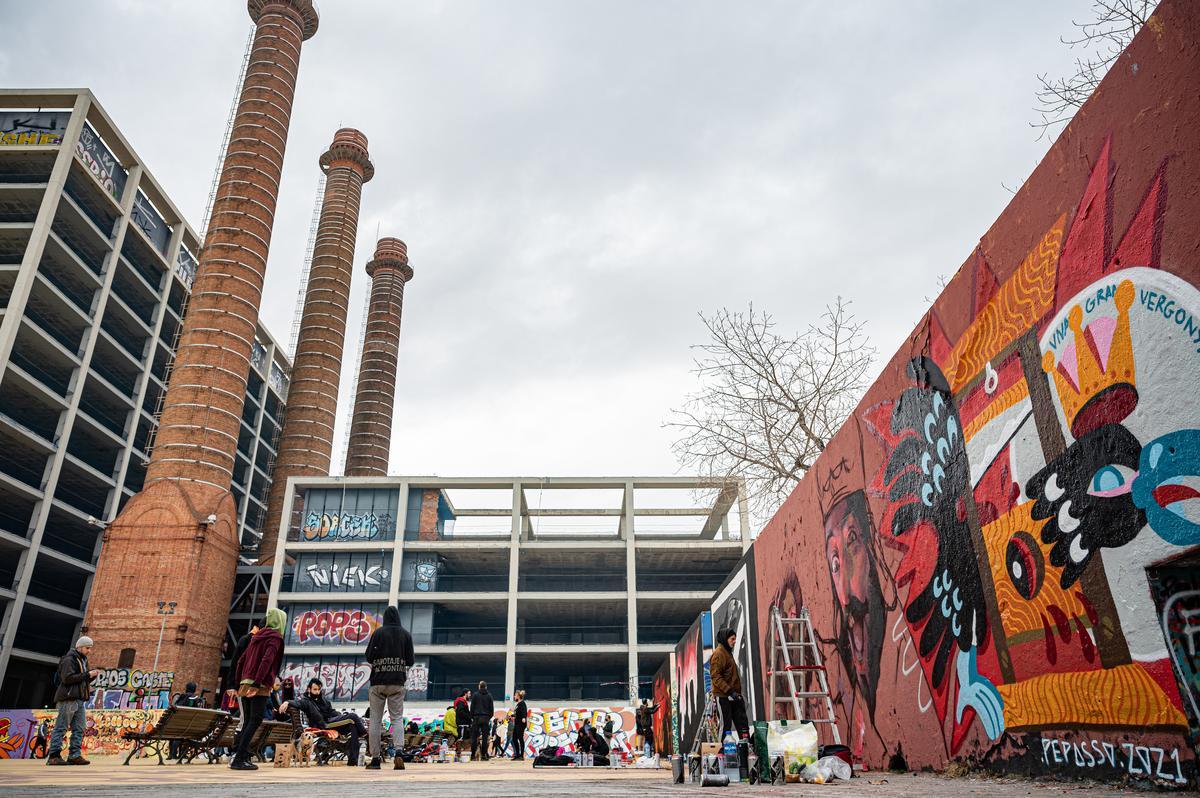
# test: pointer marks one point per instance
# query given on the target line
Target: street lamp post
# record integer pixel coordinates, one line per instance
(165, 608)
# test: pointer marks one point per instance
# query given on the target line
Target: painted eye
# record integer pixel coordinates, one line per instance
(1026, 566)
(1111, 480)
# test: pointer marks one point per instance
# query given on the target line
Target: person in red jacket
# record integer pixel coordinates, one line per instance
(256, 672)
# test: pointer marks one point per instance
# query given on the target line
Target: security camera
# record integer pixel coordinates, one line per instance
(212, 518)
(94, 521)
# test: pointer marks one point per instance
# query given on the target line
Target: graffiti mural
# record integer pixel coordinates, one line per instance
(1010, 520)
(340, 527)
(25, 733)
(18, 729)
(101, 163)
(691, 674)
(664, 717)
(1176, 587)
(32, 128)
(334, 626)
(559, 727)
(419, 572)
(124, 688)
(348, 572)
(733, 609)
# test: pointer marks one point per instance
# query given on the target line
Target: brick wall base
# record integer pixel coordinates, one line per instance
(161, 548)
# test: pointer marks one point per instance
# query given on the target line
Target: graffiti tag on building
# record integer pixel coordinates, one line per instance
(341, 626)
(124, 688)
(340, 526)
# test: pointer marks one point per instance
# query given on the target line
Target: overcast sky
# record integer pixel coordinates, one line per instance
(576, 180)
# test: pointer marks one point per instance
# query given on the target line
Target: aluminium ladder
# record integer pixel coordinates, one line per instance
(808, 664)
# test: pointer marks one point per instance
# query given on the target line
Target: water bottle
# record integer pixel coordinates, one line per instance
(646, 750)
(443, 751)
(730, 753)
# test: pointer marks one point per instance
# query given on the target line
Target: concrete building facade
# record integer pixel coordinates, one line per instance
(96, 270)
(178, 534)
(572, 589)
(306, 445)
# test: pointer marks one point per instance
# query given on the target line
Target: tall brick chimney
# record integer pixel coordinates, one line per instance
(176, 540)
(371, 425)
(306, 442)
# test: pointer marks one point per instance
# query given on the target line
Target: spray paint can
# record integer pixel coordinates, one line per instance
(715, 780)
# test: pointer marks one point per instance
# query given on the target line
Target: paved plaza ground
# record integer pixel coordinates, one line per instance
(106, 778)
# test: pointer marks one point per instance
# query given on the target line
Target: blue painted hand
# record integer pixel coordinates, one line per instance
(977, 692)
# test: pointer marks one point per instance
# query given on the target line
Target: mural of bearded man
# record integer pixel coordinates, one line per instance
(859, 611)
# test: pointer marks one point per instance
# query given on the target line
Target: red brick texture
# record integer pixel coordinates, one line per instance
(371, 425)
(161, 547)
(427, 528)
(306, 442)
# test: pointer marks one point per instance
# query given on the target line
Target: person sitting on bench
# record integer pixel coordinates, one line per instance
(322, 715)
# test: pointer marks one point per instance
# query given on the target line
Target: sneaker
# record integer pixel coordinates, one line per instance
(55, 759)
(78, 760)
(240, 765)
(398, 764)
(373, 764)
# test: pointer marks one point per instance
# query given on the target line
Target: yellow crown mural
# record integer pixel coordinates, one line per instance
(1096, 384)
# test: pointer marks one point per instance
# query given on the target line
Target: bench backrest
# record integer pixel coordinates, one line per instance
(187, 723)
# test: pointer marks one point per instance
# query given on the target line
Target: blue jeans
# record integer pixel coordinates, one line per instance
(74, 715)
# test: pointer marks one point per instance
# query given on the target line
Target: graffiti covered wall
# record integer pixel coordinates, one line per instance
(25, 733)
(973, 545)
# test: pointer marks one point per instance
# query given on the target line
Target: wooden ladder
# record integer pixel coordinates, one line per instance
(808, 663)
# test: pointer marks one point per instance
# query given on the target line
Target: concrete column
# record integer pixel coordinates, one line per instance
(514, 565)
(180, 535)
(631, 589)
(306, 441)
(371, 425)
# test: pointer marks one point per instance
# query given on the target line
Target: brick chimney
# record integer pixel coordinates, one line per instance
(306, 442)
(176, 540)
(371, 425)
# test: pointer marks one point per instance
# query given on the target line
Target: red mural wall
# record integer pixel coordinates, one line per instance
(973, 545)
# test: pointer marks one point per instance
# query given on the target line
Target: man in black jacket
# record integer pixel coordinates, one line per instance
(71, 697)
(519, 722)
(322, 715)
(482, 709)
(390, 653)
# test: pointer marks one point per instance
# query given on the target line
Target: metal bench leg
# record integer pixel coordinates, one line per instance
(138, 745)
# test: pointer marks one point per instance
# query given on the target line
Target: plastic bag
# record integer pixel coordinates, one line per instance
(797, 742)
(834, 766)
(825, 770)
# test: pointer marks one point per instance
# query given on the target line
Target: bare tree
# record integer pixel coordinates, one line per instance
(1102, 39)
(768, 403)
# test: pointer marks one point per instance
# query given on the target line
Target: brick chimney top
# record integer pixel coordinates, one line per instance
(391, 253)
(305, 8)
(349, 146)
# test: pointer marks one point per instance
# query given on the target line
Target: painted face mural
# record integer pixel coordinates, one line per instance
(859, 612)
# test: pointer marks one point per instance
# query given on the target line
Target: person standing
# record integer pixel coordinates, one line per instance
(519, 722)
(727, 686)
(482, 710)
(462, 717)
(255, 673)
(390, 654)
(74, 678)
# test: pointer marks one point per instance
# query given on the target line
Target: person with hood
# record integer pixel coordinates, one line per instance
(74, 679)
(727, 686)
(255, 673)
(462, 717)
(390, 654)
(322, 715)
(519, 722)
(482, 710)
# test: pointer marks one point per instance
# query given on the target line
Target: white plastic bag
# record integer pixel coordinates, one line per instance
(796, 743)
(834, 766)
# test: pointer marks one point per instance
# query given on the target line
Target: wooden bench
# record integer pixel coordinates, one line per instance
(193, 727)
(273, 733)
